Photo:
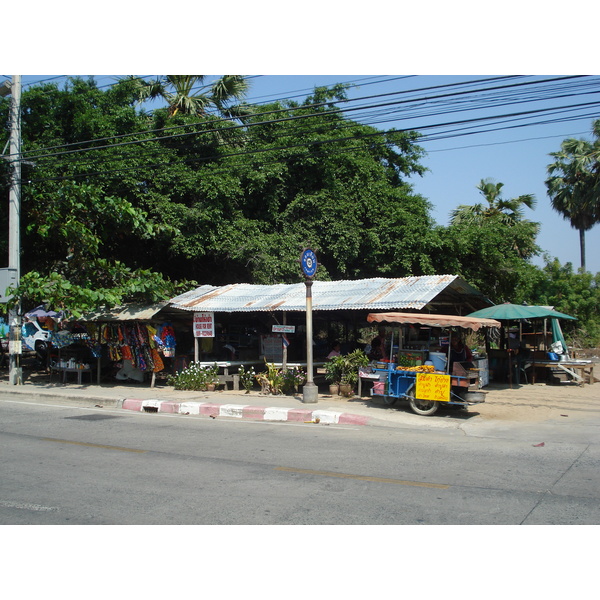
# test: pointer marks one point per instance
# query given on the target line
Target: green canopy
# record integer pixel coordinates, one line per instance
(514, 312)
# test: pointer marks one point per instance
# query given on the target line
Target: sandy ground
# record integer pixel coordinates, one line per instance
(539, 402)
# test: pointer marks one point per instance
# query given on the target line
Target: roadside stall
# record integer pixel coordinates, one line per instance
(526, 352)
(127, 343)
(426, 376)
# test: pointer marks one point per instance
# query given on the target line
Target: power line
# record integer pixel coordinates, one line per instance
(313, 143)
(303, 116)
(424, 139)
(286, 109)
(345, 124)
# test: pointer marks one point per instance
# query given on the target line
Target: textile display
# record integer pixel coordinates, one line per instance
(139, 343)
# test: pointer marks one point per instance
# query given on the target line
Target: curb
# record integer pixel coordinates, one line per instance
(244, 411)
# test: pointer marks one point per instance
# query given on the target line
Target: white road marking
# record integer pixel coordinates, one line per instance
(27, 506)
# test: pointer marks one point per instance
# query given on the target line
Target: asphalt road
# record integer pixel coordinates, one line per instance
(76, 465)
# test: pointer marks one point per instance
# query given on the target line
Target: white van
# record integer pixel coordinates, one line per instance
(34, 337)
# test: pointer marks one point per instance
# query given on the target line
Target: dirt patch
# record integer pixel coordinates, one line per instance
(539, 402)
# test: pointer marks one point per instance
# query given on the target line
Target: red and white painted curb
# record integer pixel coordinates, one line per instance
(242, 411)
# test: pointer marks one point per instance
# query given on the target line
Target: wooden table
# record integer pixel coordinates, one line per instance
(581, 370)
(224, 365)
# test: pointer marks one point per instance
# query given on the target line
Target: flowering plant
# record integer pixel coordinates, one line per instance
(292, 378)
(247, 378)
(194, 377)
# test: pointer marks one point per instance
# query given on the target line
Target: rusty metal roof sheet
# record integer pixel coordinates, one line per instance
(370, 294)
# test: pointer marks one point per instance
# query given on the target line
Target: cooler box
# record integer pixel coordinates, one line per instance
(439, 360)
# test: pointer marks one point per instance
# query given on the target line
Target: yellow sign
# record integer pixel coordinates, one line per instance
(433, 387)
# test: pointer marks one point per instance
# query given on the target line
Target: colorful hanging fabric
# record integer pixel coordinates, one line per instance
(168, 339)
(158, 362)
(151, 332)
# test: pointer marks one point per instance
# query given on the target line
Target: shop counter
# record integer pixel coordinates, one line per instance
(224, 366)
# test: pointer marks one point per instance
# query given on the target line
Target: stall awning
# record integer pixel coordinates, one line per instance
(515, 312)
(432, 320)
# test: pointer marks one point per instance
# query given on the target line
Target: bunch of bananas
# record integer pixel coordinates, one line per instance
(419, 369)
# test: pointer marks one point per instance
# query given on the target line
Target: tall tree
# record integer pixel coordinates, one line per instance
(574, 184)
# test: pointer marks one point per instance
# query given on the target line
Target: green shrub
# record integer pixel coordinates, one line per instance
(194, 377)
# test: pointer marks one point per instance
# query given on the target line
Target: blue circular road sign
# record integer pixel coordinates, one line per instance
(308, 260)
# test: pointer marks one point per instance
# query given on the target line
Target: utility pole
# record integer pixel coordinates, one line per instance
(14, 226)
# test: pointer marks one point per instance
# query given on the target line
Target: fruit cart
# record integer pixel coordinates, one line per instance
(422, 385)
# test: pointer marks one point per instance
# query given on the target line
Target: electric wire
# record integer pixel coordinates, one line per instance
(425, 138)
(162, 137)
(286, 109)
(312, 144)
(353, 124)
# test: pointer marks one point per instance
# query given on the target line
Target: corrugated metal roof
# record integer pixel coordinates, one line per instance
(369, 294)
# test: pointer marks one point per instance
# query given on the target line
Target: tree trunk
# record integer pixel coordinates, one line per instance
(582, 247)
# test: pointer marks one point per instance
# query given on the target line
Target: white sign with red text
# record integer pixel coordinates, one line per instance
(204, 324)
(284, 329)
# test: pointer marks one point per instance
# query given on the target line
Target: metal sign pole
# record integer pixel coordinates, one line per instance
(310, 392)
(308, 262)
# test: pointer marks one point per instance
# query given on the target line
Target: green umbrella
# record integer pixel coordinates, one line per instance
(514, 312)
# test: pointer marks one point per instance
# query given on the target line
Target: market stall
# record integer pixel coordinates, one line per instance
(128, 343)
(419, 370)
(532, 342)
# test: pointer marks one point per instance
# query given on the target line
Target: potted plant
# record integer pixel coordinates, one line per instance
(211, 377)
(271, 380)
(192, 377)
(342, 371)
(292, 379)
(349, 366)
(333, 374)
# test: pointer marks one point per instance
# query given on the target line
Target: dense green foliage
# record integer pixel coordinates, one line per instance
(119, 204)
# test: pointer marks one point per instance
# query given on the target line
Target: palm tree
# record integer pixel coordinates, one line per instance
(509, 212)
(574, 184)
(188, 94)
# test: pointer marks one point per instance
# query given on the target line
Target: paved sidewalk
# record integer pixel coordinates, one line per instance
(565, 413)
(227, 403)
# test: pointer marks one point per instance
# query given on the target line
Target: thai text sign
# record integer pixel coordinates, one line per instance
(433, 387)
(284, 328)
(204, 324)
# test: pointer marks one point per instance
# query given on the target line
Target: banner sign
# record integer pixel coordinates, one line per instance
(433, 387)
(204, 324)
(284, 329)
